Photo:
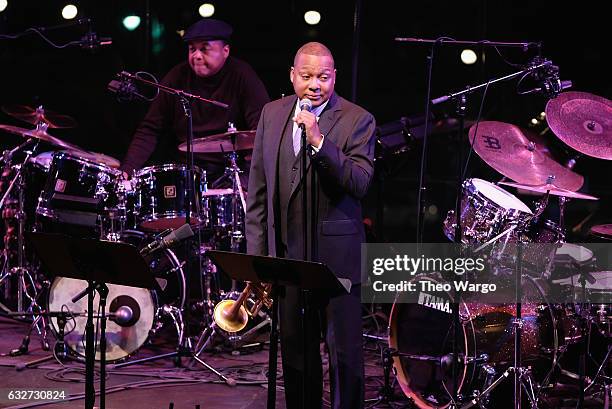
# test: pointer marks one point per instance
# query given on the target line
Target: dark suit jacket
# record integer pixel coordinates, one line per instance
(344, 169)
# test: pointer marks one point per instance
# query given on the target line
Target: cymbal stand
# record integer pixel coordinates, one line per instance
(236, 236)
(21, 270)
(237, 230)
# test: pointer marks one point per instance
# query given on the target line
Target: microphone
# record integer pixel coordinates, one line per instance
(125, 89)
(91, 41)
(305, 105)
(547, 77)
(124, 316)
(169, 240)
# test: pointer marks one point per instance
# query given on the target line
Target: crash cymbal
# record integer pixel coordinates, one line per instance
(583, 121)
(39, 115)
(39, 134)
(222, 143)
(602, 230)
(552, 189)
(507, 149)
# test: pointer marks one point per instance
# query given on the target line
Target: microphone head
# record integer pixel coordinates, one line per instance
(178, 235)
(305, 104)
(124, 315)
(183, 232)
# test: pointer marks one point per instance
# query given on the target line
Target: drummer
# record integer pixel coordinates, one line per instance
(211, 73)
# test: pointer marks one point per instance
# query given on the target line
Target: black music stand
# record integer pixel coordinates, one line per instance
(280, 272)
(97, 262)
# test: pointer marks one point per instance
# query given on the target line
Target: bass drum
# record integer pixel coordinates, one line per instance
(420, 330)
(125, 339)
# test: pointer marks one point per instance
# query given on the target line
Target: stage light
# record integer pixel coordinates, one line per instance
(312, 17)
(131, 23)
(3, 5)
(468, 56)
(70, 11)
(206, 10)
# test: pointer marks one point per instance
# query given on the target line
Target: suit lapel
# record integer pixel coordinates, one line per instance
(273, 145)
(327, 120)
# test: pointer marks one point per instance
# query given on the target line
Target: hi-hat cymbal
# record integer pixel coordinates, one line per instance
(583, 121)
(39, 134)
(222, 143)
(552, 189)
(507, 149)
(36, 115)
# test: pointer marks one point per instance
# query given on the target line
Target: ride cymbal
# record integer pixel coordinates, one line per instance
(583, 121)
(507, 149)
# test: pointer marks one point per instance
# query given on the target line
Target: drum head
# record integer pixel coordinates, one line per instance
(121, 341)
(579, 254)
(500, 196)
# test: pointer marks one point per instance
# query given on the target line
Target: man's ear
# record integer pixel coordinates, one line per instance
(291, 74)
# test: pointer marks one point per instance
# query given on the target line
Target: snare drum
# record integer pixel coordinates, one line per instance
(75, 190)
(486, 211)
(161, 194)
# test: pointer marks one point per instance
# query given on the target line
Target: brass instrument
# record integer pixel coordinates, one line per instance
(233, 315)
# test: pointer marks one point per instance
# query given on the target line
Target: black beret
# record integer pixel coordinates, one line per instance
(208, 29)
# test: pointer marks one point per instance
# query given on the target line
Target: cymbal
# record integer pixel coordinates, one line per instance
(507, 149)
(602, 230)
(44, 159)
(39, 134)
(222, 143)
(583, 121)
(35, 115)
(552, 189)
(98, 158)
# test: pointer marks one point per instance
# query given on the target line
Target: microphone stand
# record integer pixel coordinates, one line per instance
(524, 45)
(185, 350)
(303, 293)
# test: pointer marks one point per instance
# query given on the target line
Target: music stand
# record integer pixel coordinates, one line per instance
(97, 262)
(280, 272)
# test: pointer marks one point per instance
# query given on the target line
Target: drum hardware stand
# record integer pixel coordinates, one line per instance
(21, 270)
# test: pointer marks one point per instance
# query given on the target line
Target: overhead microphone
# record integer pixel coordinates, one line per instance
(91, 41)
(547, 78)
(124, 88)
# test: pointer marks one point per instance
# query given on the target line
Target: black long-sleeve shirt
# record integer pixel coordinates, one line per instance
(165, 125)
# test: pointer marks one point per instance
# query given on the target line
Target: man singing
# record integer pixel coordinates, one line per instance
(339, 137)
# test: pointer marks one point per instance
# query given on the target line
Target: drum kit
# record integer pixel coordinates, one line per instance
(549, 331)
(73, 191)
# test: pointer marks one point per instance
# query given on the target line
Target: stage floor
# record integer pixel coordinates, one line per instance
(152, 385)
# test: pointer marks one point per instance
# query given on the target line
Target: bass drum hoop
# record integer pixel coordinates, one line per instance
(403, 379)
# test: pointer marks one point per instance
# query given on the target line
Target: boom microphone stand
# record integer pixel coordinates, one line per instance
(186, 99)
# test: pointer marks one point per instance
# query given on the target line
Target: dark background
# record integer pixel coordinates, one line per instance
(391, 80)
